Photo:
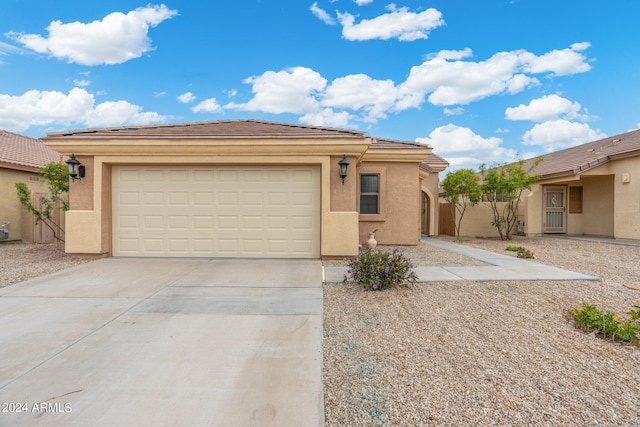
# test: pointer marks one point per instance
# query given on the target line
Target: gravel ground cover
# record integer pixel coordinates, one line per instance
(461, 353)
(485, 353)
(21, 261)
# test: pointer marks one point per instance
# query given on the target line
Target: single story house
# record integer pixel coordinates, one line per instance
(244, 188)
(591, 189)
(20, 159)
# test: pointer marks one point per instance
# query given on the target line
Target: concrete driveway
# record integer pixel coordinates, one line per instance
(164, 342)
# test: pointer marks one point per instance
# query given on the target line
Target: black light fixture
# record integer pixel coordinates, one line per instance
(344, 164)
(76, 169)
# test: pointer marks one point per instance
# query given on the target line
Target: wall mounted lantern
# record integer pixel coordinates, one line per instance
(344, 164)
(76, 169)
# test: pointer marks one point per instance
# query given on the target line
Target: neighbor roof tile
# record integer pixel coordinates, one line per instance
(24, 151)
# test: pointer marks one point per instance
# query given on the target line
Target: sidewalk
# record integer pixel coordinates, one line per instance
(501, 267)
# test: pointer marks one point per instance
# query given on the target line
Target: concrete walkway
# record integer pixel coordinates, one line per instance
(176, 342)
(500, 267)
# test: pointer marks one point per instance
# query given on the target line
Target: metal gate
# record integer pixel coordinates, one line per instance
(554, 210)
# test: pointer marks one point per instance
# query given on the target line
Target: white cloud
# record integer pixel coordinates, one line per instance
(359, 91)
(115, 39)
(6, 49)
(37, 108)
(454, 54)
(559, 134)
(119, 113)
(453, 111)
(463, 148)
(208, 106)
(549, 107)
(321, 14)
(289, 91)
(186, 98)
(448, 80)
(326, 117)
(443, 79)
(559, 62)
(362, 2)
(231, 93)
(82, 83)
(398, 23)
(159, 94)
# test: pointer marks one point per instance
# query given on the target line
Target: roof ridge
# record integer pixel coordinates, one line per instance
(187, 125)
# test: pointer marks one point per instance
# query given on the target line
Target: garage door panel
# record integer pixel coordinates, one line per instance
(216, 211)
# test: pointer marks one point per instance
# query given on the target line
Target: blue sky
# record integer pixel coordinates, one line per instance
(480, 81)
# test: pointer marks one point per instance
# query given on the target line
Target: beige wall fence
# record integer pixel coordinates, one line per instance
(41, 232)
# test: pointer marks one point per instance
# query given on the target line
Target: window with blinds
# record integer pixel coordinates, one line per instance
(370, 194)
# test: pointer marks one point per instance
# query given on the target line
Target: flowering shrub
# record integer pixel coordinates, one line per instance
(522, 252)
(607, 323)
(375, 270)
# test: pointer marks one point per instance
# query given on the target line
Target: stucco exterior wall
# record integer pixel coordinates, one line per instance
(626, 195)
(22, 222)
(598, 205)
(429, 185)
(611, 201)
(400, 198)
(476, 221)
(89, 229)
(342, 228)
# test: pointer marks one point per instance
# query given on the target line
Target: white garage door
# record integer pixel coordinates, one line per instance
(216, 211)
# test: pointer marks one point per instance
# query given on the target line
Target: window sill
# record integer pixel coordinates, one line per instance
(372, 217)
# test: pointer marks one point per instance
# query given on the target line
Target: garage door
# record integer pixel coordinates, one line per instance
(207, 211)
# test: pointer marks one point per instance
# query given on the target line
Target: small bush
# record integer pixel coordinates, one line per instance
(522, 252)
(607, 323)
(376, 270)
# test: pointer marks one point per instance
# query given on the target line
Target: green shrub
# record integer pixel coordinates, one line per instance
(522, 252)
(607, 323)
(376, 270)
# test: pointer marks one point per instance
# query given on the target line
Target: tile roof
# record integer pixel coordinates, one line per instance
(215, 129)
(574, 160)
(23, 151)
(391, 143)
(434, 160)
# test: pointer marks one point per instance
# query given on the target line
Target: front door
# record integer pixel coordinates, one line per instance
(425, 214)
(554, 210)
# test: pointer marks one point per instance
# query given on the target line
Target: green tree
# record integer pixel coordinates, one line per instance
(506, 183)
(57, 177)
(461, 189)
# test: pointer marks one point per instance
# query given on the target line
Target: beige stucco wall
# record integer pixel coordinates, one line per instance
(22, 222)
(429, 185)
(89, 229)
(476, 221)
(400, 198)
(626, 195)
(611, 207)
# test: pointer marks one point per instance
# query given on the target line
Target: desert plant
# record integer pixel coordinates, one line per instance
(461, 190)
(57, 177)
(506, 183)
(607, 323)
(376, 270)
(522, 252)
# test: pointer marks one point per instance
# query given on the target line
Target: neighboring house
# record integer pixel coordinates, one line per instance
(20, 159)
(591, 189)
(244, 188)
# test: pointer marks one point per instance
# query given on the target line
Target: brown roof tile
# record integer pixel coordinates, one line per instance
(24, 151)
(216, 129)
(391, 143)
(577, 159)
(433, 160)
